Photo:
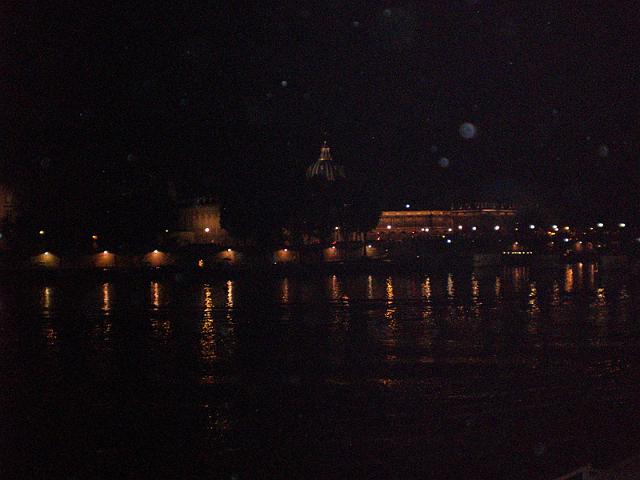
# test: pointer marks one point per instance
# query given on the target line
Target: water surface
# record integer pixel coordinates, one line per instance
(509, 373)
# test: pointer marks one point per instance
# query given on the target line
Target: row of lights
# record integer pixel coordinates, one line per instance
(497, 227)
(554, 227)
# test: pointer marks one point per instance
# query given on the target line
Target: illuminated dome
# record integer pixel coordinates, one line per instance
(325, 168)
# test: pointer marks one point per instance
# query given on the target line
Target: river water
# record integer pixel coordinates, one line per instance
(497, 373)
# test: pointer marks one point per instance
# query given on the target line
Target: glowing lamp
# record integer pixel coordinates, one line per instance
(228, 249)
(496, 228)
(388, 227)
(407, 206)
(207, 230)
(105, 252)
(156, 251)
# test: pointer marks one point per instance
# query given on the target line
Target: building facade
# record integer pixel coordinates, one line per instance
(481, 219)
(199, 223)
(8, 204)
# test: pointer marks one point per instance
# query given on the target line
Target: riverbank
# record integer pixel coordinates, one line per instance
(163, 264)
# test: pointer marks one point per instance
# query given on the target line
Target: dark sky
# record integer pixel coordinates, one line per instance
(206, 92)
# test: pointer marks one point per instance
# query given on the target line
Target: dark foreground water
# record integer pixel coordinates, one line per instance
(512, 373)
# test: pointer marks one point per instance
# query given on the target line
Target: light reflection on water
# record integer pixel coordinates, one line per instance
(208, 333)
(457, 312)
(405, 348)
(106, 298)
(47, 299)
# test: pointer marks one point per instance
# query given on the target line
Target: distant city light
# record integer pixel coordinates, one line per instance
(336, 228)
(532, 226)
(369, 246)
(94, 237)
(449, 229)
(426, 229)
(156, 251)
(448, 240)
(566, 240)
(407, 206)
(228, 249)
(459, 227)
(496, 228)
(166, 230)
(474, 228)
(46, 253)
(105, 252)
(207, 229)
(566, 228)
(41, 232)
(388, 227)
(555, 228)
(622, 225)
(286, 250)
(599, 224)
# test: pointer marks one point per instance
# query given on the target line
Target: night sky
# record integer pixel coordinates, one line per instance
(213, 94)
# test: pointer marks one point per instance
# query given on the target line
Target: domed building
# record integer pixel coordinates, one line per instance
(325, 168)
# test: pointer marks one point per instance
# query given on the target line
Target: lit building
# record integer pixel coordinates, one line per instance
(7, 203)
(199, 223)
(480, 219)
